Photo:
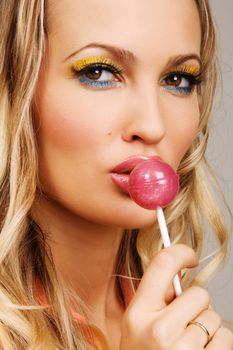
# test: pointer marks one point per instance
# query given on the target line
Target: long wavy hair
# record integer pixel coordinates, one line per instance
(24, 254)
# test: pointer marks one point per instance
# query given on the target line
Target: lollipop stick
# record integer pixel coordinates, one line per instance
(167, 243)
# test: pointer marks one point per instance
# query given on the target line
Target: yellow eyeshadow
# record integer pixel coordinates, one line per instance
(85, 62)
(189, 69)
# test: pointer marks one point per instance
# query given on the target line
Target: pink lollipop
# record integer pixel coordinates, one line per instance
(153, 183)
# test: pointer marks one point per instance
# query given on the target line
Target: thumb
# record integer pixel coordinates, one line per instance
(153, 288)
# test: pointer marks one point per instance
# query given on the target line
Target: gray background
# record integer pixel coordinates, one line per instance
(220, 153)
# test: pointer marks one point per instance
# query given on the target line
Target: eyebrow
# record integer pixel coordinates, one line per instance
(118, 52)
(178, 60)
(129, 57)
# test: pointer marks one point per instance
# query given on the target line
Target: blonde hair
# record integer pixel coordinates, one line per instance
(24, 257)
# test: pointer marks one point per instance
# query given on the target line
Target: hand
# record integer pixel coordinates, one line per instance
(150, 324)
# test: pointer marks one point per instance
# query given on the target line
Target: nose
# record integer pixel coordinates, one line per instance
(145, 122)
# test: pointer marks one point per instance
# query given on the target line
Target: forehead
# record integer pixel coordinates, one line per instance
(142, 25)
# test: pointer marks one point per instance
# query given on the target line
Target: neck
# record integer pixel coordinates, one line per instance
(84, 254)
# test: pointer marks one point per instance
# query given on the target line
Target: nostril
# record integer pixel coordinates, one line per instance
(135, 137)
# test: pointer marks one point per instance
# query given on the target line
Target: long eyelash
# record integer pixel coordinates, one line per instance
(111, 68)
(189, 71)
(194, 79)
(96, 61)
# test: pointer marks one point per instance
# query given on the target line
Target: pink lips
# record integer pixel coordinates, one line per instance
(120, 174)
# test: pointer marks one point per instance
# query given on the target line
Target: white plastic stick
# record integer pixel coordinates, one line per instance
(167, 243)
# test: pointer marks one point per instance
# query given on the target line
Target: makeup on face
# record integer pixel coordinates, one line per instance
(89, 70)
(108, 91)
(102, 72)
(183, 79)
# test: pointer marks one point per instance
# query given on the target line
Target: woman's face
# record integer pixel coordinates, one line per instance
(108, 91)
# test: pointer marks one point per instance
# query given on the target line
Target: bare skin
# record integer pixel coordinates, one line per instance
(84, 131)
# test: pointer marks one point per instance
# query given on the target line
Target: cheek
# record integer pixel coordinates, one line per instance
(68, 122)
(183, 129)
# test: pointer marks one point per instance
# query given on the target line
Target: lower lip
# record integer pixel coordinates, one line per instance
(121, 180)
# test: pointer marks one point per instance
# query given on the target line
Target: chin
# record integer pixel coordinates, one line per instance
(134, 216)
(140, 222)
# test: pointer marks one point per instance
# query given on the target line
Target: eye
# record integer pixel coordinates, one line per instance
(181, 83)
(99, 75)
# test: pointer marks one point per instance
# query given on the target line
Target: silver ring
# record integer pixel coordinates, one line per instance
(200, 325)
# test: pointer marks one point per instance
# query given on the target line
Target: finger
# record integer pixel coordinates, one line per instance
(187, 307)
(171, 294)
(196, 336)
(207, 324)
(154, 285)
(222, 339)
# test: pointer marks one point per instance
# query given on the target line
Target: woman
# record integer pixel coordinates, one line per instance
(86, 87)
